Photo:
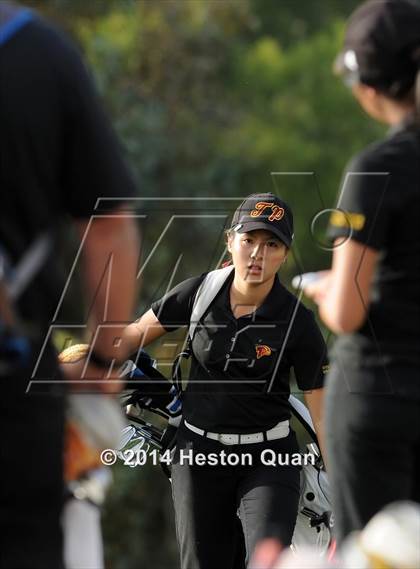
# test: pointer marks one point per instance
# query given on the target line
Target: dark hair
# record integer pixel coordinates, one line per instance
(382, 49)
(407, 86)
(403, 87)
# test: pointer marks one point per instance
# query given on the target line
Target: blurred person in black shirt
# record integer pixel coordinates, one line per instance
(371, 296)
(58, 156)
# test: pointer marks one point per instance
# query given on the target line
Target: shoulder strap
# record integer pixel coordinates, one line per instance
(302, 414)
(30, 264)
(18, 277)
(205, 295)
(15, 280)
(12, 19)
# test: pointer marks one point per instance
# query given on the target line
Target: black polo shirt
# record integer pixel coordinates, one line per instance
(234, 359)
(381, 200)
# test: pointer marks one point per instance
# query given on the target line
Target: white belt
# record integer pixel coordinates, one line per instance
(279, 431)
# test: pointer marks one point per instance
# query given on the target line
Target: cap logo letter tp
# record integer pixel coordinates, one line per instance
(276, 214)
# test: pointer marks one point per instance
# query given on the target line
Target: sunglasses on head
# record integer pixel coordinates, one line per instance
(347, 67)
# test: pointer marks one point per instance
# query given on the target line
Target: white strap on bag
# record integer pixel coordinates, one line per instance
(206, 293)
(30, 264)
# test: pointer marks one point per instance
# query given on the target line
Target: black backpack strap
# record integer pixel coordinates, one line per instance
(176, 366)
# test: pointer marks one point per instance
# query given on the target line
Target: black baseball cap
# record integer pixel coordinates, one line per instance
(382, 45)
(264, 211)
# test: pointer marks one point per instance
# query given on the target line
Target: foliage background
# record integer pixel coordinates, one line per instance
(210, 98)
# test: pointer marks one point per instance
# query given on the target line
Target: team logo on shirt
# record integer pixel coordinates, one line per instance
(276, 214)
(262, 350)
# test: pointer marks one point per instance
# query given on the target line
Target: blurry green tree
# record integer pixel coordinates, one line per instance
(209, 103)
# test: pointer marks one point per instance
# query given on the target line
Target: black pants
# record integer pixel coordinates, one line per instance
(373, 440)
(207, 499)
(31, 490)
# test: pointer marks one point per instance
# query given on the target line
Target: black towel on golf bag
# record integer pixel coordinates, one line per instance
(151, 389)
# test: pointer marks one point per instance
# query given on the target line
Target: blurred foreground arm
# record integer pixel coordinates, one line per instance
(109, 270)
(315, 402)
(110, 260)
(97, 188)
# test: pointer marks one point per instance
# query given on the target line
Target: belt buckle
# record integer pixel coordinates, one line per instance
(220, 436)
